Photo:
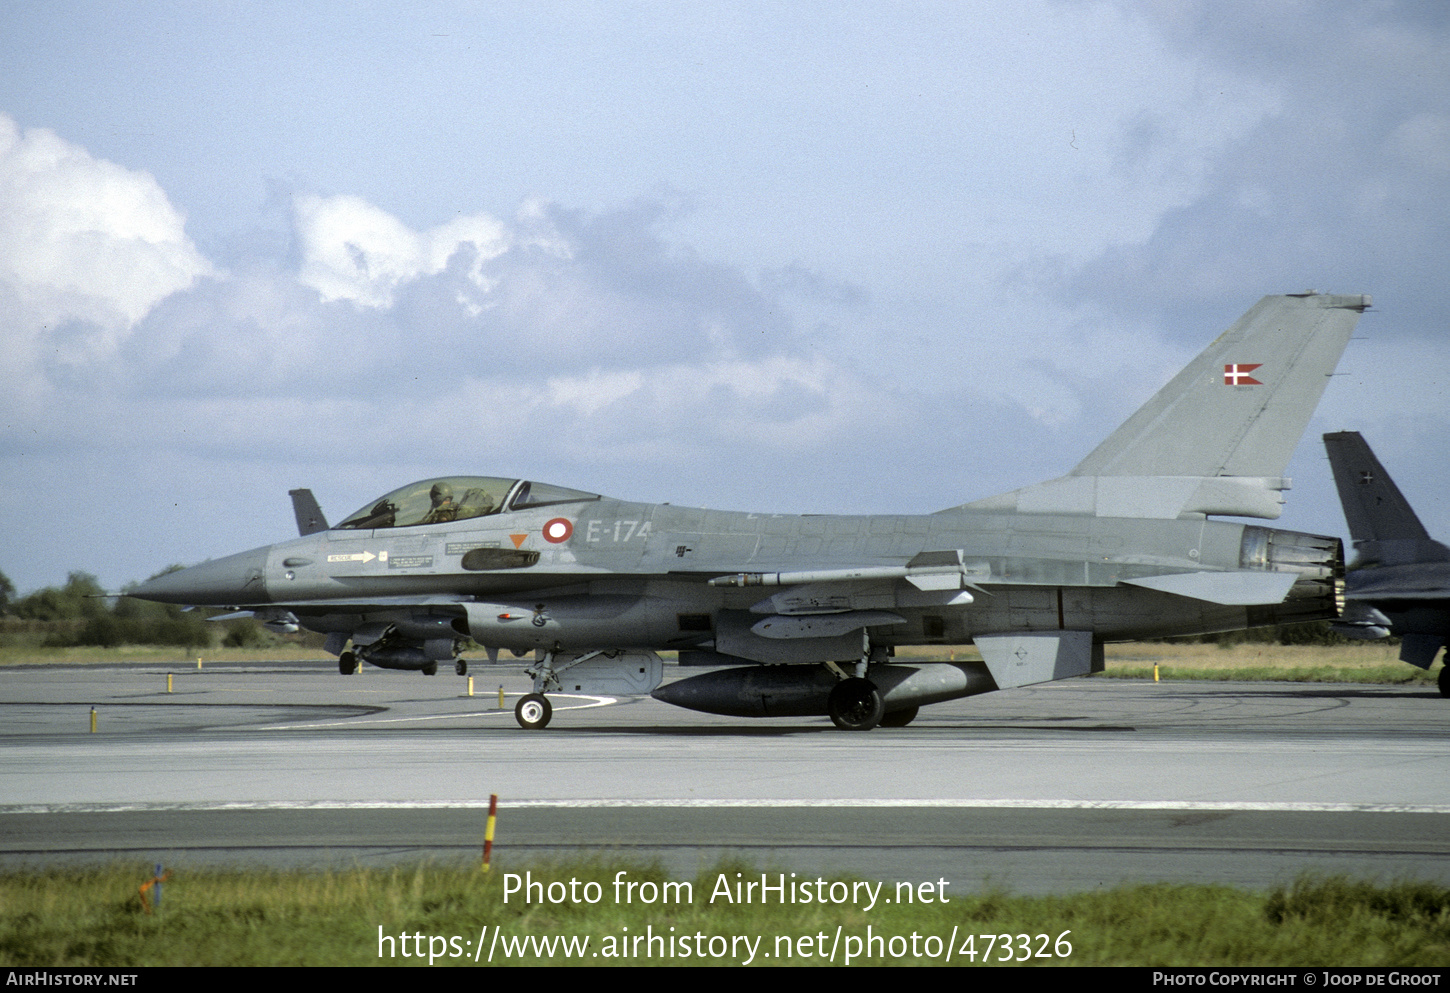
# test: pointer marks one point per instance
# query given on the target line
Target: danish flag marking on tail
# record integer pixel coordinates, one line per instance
(1237, 374)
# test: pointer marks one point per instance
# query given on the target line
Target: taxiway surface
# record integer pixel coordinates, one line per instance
(1066, 786)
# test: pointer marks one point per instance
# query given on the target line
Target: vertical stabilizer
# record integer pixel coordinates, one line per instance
(1218, 438)
(1240, 408)
(1385, 529)
(1374, 507)
(309, 514)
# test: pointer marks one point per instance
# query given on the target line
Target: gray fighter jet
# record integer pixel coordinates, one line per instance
(806, 611)
(1399, 583)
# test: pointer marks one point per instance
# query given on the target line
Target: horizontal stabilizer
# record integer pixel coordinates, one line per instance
(1024, 658)
(1238, 589)
(1413, 581)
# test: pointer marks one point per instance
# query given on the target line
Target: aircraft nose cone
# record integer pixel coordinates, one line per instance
(235, 579)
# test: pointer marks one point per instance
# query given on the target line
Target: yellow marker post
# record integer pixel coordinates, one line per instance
(470, 686)
(1155, 672)
(198, 661)
(168, 682)
(93, 720)
(500, 697)
(488, 830)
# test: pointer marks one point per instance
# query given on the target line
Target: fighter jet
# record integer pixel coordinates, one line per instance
(1399, 583)
(805, 612)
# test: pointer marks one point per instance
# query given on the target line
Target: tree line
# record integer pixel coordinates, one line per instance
(81, 613)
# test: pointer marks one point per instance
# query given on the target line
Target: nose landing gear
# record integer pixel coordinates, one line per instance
(533, 711)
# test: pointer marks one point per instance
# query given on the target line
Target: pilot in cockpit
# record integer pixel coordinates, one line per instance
(443, 509)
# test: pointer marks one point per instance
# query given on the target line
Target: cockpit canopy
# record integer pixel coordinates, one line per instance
(457, 498)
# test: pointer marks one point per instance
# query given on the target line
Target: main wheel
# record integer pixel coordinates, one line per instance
(899, 718)
(431, 669)
(855, 705)
(1445, 676)
(533, 711)
(347, 663)
(460, 666)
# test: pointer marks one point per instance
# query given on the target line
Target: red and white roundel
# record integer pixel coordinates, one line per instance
(557, 530)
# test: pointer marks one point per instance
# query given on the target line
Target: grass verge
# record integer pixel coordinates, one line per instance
(1360, 662)
(360, 917)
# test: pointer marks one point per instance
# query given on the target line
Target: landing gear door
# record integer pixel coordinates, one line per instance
(612, 673)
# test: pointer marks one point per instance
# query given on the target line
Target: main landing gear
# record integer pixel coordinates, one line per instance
(899, 718)
(1445, 676)
(855, 705)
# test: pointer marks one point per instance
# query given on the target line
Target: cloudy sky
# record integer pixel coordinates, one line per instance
(801, 257)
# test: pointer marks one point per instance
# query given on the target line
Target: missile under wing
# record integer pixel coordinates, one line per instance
(1399, 583)
(806, 612)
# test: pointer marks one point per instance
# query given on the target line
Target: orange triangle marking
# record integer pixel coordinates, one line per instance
(519, 539)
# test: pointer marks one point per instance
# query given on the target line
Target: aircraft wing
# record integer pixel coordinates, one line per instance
(350, 604)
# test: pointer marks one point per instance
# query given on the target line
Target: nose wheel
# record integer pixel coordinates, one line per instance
(533, 711)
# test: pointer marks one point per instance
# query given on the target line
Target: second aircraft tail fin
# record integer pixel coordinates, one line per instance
(1384, 527)
(308, 513)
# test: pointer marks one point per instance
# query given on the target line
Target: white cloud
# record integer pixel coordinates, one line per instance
(354, 251)
(82, 239)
